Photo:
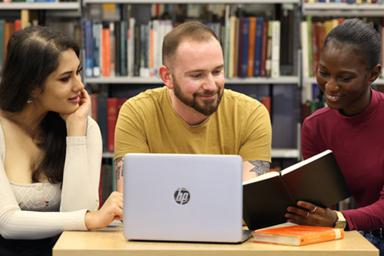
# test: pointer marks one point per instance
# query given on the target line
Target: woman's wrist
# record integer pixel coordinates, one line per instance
(90, 220)
(76, 127)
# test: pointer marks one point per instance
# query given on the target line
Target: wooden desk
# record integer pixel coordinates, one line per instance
(111, 241)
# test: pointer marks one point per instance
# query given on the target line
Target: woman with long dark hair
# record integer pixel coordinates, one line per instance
(50, 149)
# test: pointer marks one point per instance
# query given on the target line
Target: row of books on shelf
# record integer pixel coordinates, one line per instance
(124, 48)
(313, 34)
(27, 18)
(7, 28)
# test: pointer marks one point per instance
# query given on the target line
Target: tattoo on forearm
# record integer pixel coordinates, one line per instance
(118, 163)
(261, 167)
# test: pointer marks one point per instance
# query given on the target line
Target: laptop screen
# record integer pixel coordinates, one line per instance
(185, 197)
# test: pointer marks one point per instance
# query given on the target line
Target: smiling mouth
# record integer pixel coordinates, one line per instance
(75, 99)
(333, 98)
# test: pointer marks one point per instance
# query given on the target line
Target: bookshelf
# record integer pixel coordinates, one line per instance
(14, 15)
(343, 9)
(71, 10)
(258, 85)
(329, 15)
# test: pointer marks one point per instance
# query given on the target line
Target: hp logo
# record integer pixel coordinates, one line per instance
(182, 196)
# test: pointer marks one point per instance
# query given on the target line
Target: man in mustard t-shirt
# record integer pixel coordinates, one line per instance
(193, 113)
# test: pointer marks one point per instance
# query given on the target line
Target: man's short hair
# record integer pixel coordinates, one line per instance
(193, 30)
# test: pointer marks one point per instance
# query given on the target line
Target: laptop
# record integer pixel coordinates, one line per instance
(183, 197)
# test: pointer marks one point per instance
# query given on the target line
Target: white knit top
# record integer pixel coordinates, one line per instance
(41, 210)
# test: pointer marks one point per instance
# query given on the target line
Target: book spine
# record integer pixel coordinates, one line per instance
(88, 39)
(264, 48)
(251, 46)
(258, 46)
(244, 47)
(112, 104)
(106, 52)
(96, 29)
(102, 118)
(329, 235)
(275, 68)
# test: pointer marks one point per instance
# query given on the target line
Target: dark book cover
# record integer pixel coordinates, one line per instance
(265, 202)
(117, 48)
(102, 118)
(258, 46)
(317, 179)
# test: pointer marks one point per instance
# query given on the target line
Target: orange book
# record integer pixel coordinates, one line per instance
(297, 235)
(106, 52)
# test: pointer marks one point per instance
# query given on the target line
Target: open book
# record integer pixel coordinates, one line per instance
(317, 179)
(297, 235)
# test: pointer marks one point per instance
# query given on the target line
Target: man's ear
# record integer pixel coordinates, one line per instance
(165, 75)
(375, 73)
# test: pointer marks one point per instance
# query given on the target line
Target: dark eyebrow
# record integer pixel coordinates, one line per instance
(202, 70)
(219, 67)
(65, 73)
(346, 73)
(70, 71)
(342, 72)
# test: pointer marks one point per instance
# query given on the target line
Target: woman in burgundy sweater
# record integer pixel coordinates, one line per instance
(351, 126)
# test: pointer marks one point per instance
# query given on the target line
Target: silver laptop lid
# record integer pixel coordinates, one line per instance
(183, 197)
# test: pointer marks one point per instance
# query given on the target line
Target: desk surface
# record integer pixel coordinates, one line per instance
(111, 241)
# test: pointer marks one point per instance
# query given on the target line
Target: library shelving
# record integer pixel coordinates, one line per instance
(318, 19)
(343, 9)
(15, 15)
(283, 87)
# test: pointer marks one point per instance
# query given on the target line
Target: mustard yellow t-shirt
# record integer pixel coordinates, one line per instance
(147, 123)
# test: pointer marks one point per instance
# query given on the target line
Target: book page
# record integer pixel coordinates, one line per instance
(265, 176)
(304, 162)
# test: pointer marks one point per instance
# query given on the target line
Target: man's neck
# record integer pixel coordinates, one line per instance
(188, 114)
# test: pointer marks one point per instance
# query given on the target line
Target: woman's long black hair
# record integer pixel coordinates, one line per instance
(32, 55)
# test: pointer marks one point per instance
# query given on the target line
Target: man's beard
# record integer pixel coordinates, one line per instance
(205, 108)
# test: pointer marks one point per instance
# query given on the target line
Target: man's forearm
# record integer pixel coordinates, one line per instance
(118, 165)
(260, 167)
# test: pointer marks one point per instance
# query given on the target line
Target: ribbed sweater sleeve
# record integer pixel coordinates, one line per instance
(79, 192)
